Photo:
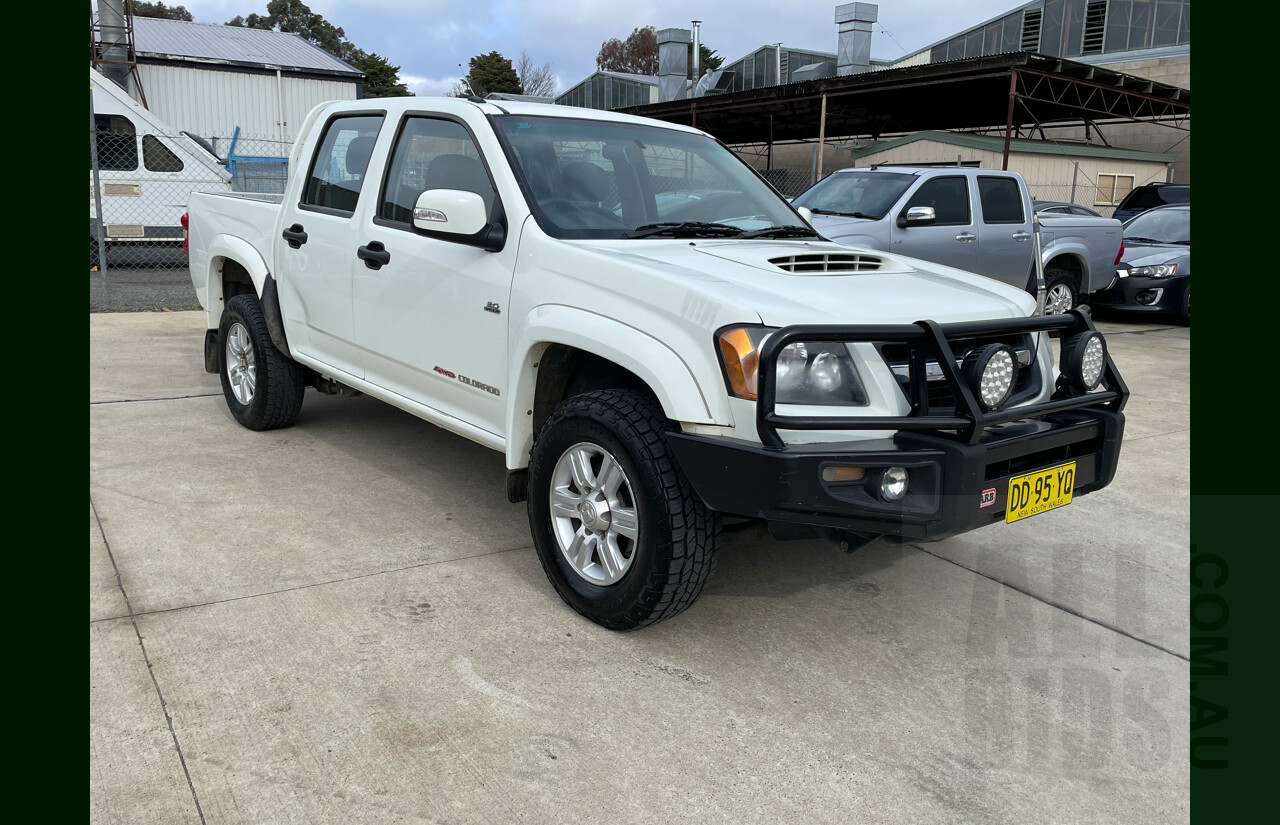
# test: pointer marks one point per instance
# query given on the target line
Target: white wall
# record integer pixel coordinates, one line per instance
(211, 103)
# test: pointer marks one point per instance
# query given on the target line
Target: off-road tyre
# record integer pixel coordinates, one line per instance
(275, 397)
(674, 552)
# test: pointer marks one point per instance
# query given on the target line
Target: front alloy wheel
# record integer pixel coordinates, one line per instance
(593, 513)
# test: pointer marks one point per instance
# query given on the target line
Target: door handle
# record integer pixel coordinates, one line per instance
(1021, 236)
(295, 235)
(966, 237)
(374, 255)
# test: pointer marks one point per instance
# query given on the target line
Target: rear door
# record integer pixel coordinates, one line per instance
(952, 239)
(1005, 250)
(430, 318)
(316, 254)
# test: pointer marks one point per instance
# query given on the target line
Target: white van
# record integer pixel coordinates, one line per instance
(147, 170)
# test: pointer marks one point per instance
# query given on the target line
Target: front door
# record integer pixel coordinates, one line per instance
(952, 239)
(431, 318)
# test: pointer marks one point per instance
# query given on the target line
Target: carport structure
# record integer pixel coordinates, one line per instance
(1023, 91)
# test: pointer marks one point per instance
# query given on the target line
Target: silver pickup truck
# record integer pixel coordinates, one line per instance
(978, 220)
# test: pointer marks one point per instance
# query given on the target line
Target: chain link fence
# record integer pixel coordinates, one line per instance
(140, 184)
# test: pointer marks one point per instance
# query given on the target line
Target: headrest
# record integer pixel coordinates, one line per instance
(582, 181)
(359, 150)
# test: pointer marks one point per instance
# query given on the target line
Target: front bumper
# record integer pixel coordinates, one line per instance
(960, 459)
(1131, 293)
(948, 477)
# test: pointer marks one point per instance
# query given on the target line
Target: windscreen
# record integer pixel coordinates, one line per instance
(1160, 226)
(599, 179)
(856, 194)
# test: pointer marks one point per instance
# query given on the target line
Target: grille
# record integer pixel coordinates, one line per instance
(941, 400)
(829, 262)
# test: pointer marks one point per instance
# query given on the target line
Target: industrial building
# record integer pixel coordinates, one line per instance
(211, 80)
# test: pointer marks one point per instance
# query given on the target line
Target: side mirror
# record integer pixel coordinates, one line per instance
(450, 211)
(806, 213)
(917, 216)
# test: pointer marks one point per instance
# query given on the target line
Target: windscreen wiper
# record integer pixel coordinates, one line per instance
(843, 214)
(695, 228)
(789, 231)
(1139, 239)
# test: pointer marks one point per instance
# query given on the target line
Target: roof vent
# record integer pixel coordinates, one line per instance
(828, 262)
(1031, 30)
(1095, 23)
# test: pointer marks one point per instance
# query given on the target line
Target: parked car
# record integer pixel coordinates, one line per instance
(1155, 273)
(1149, 196)
(978, 220)
(641, 376)
(1063, 208)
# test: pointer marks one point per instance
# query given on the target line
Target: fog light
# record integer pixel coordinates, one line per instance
(1147, 297)
(1084, 357)
(991, 372)
(830, 474)
(893, 484)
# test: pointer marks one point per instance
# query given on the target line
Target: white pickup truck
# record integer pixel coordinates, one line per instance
(978, 220)
(556, 284)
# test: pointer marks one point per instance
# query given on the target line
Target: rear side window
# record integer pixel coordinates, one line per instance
(1001, 200)
(949, 198)
(338, 168)
(431, 154)
(1175, 194)
(157, 157)
(117, 143)
(1144, 197)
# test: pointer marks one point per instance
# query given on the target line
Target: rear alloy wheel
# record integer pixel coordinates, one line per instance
(1059, 291)
(263, 386)
(619, 531)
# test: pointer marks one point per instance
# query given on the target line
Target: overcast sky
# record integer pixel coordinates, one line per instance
(427, 39)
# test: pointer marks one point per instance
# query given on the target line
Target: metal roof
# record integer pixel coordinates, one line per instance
(178, 40)
(1022, 89)
(989, 143)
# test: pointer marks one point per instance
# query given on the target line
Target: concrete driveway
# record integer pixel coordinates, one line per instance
(346, 622)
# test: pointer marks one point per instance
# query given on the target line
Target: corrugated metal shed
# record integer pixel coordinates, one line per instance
(209, 79)
(211, 43)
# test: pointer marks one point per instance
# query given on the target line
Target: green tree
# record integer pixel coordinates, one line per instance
(489, 73)
(162, 11)
(708, 60)
(381, 79)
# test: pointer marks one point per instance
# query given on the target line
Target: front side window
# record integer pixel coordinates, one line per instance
(856, 194)
(431, 154)
(1112, 189)
(157, 157)
(338, 168)
(601, 179)
(117, 143)
(1001, 200)
(949, 197)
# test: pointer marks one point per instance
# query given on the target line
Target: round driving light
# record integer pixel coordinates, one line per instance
(893, 484)
(1091, 363)
(991, 373)
(1084, 358)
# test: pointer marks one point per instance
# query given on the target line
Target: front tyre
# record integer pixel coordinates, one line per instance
(619, 531)
(263, 386)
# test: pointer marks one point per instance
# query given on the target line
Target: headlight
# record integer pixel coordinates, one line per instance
(819, 373)
(1161, 271)
(991, 373)
(1084, 356)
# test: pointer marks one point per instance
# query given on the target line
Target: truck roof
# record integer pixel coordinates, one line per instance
(396, 106)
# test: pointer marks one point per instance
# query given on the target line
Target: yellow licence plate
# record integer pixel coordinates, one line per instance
(1039, 492)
